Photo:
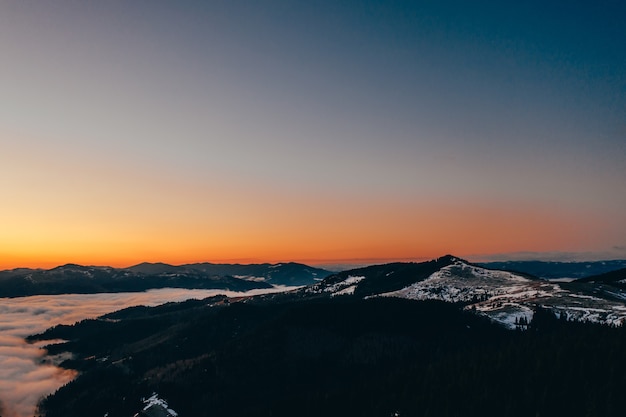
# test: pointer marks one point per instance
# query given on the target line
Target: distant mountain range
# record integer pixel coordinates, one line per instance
(556, 270)
(399, 339)
(72, 278)
(80, 279)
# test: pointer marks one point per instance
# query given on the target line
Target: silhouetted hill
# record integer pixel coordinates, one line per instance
(616, 278)
(287, 273)
(148, 268)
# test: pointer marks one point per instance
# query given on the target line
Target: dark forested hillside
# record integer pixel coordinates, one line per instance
(615, 278)
(343, 356)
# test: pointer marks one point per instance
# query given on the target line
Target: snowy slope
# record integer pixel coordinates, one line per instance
(461, 282)
(506, 297)
(155, 406)
(336, 287)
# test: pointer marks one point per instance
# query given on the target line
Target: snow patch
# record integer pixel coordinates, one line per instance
(155, 402)
(351, 280)
(249, 278)
(345, 287)
(510, 315)
(346, 291)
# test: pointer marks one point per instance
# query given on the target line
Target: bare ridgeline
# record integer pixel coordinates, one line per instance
(394, 339)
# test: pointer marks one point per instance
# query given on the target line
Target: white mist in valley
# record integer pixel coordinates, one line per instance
(24, 380)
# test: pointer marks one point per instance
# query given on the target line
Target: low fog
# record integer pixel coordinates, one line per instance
(23, 379)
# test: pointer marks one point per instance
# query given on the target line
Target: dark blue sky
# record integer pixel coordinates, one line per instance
(505, 120)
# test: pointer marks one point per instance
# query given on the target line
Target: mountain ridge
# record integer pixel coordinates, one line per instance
(327, 347)
(557, 269)
(503, 296)
(81, 279)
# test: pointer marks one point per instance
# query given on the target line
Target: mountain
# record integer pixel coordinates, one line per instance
(405, 339)
(17, 271)
(377, 279)
(157, 268)
(609, 285)
(288, 273)
(557, 270)
(505, 297)
(72, 278)
(616, 278)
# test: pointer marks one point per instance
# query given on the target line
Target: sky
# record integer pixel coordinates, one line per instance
(319, 131)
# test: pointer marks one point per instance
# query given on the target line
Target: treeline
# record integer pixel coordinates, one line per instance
(342, 357)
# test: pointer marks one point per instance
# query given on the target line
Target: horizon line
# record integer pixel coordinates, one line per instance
(566, 257)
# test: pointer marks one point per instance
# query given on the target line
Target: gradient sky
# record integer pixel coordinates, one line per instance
(316, 131)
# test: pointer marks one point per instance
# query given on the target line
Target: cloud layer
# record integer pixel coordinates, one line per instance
(23, 379)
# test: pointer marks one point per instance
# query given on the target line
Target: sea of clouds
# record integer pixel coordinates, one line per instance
(24, 379)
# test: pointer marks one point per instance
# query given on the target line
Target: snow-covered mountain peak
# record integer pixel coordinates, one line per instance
(463, 282)
(507, 297)
(460, 269)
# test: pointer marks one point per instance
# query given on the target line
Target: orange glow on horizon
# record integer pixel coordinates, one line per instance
(124, 217)
(362, 233)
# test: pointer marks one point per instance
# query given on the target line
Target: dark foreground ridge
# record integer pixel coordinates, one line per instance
(325, 350)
